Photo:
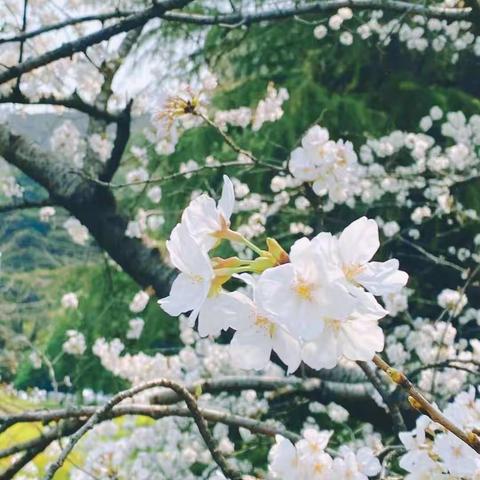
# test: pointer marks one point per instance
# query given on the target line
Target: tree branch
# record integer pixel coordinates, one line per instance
(101, 17)
(421, 404)
(74, 102)
(398, 421)
(156, 412)
(80, 45)
(37, 446)
(191, 403)
(122, 136)
(240, 19)
(93, 205)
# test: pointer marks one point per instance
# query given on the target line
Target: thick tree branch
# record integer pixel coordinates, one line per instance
(122, 136)
(92, 204)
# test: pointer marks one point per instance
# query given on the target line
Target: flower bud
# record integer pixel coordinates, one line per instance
(277, 252)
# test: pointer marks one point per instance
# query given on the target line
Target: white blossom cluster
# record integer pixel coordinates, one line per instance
(332, 167)
(68, 143)
(316, 304)
(269, 109)
(75, 343)
(200, 358)
(308, 459)
(78, 232)
(416, 33)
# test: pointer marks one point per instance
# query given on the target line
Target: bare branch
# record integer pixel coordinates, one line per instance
(166, 178)
(74, 102)
(36, 447)
(68, 49)
(230, 384)
(81, 414)
(421, 404)
(238, 19)
(398, 421)
(121, 141)
(191, 403)
(101, 17)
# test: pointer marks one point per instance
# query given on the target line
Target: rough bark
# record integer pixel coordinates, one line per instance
(93, 204)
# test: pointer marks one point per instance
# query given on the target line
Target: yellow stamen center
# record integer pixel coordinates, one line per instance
(304, 290)
(334, 324)
(351, 271)
(265, 323)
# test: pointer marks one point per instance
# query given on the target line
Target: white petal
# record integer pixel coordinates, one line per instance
(301, 166)
(382, 278)
(323, 352)
(186, 254)
(251, 348)
(227, 200)
(359, 241)
(211, 320)
(287, 348)
(361, 339)
(368, 306)
(227, 309)
(320, 186)
(282, 458)
(186, 294)
(340, 303)
(202, 220)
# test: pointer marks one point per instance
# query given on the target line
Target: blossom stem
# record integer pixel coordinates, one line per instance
(220, 272)
(420, 403)
(252, 246)
(234, 236)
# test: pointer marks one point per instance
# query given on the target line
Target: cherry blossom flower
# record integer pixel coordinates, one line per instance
(357, 466)
(357, 245)
(70, 300)
(77, 231)
(458, 457)
(46, 213)
(135, 328)
(256, 333)
(300, 294)
(75, 344)
(139, 302)
(452, 300)
(356, 336)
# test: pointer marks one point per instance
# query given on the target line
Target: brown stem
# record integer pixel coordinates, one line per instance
(420, 403)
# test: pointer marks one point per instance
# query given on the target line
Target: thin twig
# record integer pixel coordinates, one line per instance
(421, 404)
(191, 403)
(398, 421)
